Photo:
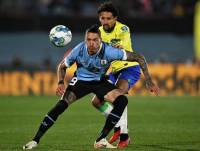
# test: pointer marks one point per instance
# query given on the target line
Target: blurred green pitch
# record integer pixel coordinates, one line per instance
(155, 124)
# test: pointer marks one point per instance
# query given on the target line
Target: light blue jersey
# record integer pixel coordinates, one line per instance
(93, 67)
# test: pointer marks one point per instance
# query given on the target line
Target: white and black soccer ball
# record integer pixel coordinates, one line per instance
(60, 35)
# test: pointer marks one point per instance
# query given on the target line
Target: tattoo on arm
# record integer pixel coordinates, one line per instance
(133, 56)
(61, 71)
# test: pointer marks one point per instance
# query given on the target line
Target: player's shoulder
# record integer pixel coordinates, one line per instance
(101, 28)
(111, 53)
(80, 45)
(122, 27)
(108, 48)
(106, 45)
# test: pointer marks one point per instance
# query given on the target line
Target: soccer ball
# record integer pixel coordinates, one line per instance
(60, 35)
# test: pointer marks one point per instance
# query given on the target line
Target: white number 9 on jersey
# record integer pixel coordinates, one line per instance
(73, 81)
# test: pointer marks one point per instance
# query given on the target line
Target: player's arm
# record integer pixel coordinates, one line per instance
(62, 67)
(61, 71)
(133, 56)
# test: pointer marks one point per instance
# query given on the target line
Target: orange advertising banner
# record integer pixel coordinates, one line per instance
(172, 79)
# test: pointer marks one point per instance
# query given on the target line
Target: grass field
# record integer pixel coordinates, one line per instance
(155, 124)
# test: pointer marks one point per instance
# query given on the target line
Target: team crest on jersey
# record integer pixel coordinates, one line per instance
(114, 41)
(103, 62)
(125, 28)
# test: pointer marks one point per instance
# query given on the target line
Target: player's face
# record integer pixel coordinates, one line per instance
(93, 41)
(107, 20)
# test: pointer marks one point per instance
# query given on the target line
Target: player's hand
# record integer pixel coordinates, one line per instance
(152, 87)
(118, 46)
(60, 89)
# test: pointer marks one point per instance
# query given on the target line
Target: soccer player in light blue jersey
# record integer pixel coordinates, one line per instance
(93, 57)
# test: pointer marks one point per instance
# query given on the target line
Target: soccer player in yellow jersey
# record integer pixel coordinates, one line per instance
(124, 74)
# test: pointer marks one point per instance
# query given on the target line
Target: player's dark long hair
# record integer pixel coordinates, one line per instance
(108, 7)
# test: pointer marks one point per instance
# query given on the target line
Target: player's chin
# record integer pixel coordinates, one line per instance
(91, 51)
(106, 27)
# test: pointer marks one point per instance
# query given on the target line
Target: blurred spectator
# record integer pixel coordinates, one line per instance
(162, 7)
(47, 65)
(17, 63)
(43, 7)
(147, 6)
(87, 8)
(139, 8)
(17, 7)
(178, 10)
(56, 7)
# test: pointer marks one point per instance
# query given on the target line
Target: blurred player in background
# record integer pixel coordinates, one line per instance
(197, 32)
(93, 57)
(124, 74)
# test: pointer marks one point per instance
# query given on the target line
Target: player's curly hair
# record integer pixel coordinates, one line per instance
(108, 7)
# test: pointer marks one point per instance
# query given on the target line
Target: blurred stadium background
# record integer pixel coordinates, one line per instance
(163, 30)
(167, 32)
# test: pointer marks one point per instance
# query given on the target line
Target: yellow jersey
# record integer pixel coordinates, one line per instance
(120, 35)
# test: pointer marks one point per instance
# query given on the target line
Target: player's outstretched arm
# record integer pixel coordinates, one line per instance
(61, 71)
(133, 56)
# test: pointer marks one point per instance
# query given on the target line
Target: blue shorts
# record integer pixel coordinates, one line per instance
(131, 74)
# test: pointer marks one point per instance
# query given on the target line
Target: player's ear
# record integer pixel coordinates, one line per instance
(100, 35)
(100, 39)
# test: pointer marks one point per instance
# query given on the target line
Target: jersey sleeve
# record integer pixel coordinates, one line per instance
(125, 38)
(116, 54)
(72, 56)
